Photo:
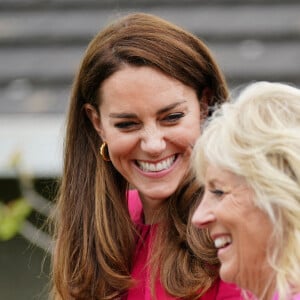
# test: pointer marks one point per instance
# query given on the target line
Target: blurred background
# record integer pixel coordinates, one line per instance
(41, 46)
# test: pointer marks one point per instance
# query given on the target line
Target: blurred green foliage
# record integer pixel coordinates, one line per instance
(24, 208)
(12, 216)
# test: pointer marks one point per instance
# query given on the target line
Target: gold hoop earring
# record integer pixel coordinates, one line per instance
(104, 152)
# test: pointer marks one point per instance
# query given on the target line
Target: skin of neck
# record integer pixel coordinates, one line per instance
(264, 288)
(152, 210)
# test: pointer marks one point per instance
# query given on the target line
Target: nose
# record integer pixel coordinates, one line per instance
(153, 141)
(203, 215)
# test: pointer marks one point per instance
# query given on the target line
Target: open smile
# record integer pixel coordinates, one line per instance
(222, 242)
(158, 166)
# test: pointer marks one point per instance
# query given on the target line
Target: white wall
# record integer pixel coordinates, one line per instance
(37, 138)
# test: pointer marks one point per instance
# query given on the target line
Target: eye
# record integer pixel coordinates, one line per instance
(174, 117)
(126, 125)
(217, 192)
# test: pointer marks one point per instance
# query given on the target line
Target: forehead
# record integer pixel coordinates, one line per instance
(215, 174)
(143, 86)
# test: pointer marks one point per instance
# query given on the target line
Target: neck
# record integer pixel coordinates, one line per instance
(152, 209)
(257, 279)
(266, 288)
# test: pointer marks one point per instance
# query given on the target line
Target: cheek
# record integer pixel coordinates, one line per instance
(194, 130)
(182, 141)
(187, 134)
(253, 243)
(120, 145)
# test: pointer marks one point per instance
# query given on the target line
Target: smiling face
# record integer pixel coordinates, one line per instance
(240, 230)
(149, 121)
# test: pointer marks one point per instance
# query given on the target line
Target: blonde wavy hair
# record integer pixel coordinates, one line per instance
(258, 137)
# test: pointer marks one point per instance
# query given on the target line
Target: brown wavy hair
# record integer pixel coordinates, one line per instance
(94, 235)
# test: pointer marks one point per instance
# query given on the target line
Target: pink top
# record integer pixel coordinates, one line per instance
(294, 297)
(141, 269)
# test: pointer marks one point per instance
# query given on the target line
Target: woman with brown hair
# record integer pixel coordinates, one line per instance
(123, 223)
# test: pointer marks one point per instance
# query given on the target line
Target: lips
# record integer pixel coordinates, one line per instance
(156, 167)
(222, 241)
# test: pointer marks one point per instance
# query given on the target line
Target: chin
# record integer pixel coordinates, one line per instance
(158, 195)
(227, 276)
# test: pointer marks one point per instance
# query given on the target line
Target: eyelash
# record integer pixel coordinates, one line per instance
(174, 117)
(218, 193)
(171, 118)
(125, 125)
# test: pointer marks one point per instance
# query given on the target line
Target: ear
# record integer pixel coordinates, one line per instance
(94, 117)
(204, 102)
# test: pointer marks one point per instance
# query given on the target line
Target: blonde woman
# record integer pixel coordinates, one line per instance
(248, 160)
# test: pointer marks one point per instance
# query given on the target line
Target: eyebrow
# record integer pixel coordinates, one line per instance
(213, 181)
(159, 112)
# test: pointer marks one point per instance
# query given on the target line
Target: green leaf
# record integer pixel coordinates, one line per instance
(12, 216)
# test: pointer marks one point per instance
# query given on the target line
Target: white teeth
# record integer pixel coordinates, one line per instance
(156, 167)
(221, 242)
